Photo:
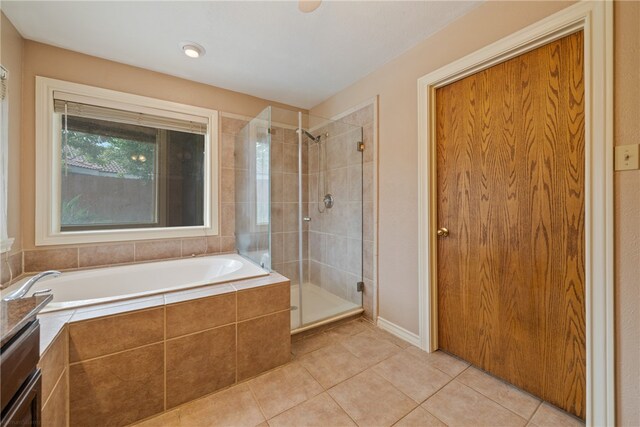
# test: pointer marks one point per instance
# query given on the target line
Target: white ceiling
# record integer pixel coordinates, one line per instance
(267, 49)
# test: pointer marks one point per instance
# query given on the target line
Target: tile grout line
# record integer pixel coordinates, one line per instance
(340, 406)
(470, 366)
(79, 362)
(357, 373)
(540, 401)
(79, 311)
(68, 369)
(535, 412)
(255, 399)
(443, 386)
(500, 405)
(200, 331)
(164, 347)
(435, 367)
(236, 332)
(55, 385)
(417, 404)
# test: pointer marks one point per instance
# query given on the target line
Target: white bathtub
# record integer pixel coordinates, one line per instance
(88, 287)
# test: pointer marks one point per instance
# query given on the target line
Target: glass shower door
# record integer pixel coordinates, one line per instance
(332, 221)
(253, 189)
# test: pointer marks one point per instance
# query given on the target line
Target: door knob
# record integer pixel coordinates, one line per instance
(442, 232)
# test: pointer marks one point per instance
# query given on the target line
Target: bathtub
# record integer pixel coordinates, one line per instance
(103, 285)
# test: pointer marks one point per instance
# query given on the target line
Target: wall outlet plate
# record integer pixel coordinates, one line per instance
(627, 157)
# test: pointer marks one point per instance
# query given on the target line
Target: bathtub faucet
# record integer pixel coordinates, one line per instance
(22, 290)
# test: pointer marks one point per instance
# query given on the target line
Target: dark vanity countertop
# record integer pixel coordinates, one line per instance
(15, 314)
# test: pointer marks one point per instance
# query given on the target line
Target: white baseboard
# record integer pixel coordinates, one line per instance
(399, 332)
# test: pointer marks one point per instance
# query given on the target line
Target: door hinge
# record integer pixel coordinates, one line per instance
(360, 146)
(360, 286)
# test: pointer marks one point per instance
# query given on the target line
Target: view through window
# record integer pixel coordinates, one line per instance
(121, 175)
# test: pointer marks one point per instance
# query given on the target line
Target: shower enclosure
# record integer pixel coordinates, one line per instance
(298, 190)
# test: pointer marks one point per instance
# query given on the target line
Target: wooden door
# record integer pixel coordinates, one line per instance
(510, 188)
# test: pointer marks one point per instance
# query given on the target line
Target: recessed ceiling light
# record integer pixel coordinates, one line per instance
(192, 50)
(308, 6)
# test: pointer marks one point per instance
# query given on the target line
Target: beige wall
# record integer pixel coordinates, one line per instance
(11, 59)
(48, 61)
(627, 212)
(395, 83)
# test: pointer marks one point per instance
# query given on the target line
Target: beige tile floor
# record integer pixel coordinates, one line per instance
(356, 374)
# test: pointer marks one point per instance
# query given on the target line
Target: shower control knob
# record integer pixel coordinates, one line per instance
(443, 232)
(328, 201)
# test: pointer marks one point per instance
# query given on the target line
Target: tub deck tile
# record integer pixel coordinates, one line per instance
(116, 307)
(195, 293)
(50, 326)
(271, 279)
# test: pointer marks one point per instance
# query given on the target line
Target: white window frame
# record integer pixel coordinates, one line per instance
(48, 191)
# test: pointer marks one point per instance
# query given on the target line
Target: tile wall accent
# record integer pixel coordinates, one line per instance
(54, 365)
(129, 366)
(112, 254)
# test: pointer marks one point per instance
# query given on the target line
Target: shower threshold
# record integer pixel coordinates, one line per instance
(320, 307)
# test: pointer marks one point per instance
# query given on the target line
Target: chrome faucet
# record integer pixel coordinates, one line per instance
(22, 290)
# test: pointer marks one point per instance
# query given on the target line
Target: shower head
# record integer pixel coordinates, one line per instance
(311, 137)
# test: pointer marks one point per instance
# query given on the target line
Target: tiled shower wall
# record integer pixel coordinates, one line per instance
(341, 238)
(284, 204)
(365, 117)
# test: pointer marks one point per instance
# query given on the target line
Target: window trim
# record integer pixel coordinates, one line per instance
(48, 177)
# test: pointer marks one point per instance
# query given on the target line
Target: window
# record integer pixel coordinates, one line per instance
(122, 167)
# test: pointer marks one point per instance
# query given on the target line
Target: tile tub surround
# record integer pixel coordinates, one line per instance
(71, 257)
(132, 360)
(54, 365)
(333, 380)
